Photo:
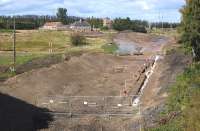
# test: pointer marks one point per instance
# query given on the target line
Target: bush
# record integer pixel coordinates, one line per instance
(140, 29)
(190, 27)
(78, 40)
(184, 97)
(104, 28)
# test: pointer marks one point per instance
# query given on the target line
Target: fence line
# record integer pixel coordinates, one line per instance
(89, 105)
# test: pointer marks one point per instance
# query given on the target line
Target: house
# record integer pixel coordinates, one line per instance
(81, 26)
(52, 26)
(107, 23)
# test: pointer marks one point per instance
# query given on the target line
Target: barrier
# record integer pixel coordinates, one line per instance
(89, 105)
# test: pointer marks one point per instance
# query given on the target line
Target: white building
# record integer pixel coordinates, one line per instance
(82, 26)
(107, 23)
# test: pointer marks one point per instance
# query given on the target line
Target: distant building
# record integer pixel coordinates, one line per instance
(82, 26)
(52, 26)
(107, 22)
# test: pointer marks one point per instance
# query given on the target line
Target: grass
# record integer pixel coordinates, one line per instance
(6, 31)
(35, 40)
(36, 44)
(185, 98)
(32, 44)
(38, 41)
(7, 59)
(6, 75)
(110, 48)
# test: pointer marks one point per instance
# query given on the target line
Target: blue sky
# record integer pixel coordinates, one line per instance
(152, 10)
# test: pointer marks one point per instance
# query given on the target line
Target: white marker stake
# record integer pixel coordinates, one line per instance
(119, 105)
(51, 101)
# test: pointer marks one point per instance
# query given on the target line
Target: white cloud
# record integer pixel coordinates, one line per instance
(3, 1)
(24, 6)
(144, 4)
(137, 9)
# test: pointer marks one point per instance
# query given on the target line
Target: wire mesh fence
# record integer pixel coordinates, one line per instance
(93, 105)
(92, 113)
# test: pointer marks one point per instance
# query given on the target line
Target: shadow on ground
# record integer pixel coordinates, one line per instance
(17, 115)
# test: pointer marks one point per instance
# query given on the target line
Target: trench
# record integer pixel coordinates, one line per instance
(148, 74)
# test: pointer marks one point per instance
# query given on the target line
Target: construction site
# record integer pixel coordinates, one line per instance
(114, 65)
(93, 91)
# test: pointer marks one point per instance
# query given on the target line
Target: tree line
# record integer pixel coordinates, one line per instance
(190, 27)
(24, 22)
(164, 25)
(121, 24)
(95, 22)
(30, 21)
(36, 21)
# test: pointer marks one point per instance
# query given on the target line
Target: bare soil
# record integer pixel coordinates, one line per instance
(87, 75)
(94, 74)
(156, 92)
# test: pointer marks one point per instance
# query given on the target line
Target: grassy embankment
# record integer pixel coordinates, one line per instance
(183, 103)
(110, 48)
(38, 41)
(5, 31)
(34, 44)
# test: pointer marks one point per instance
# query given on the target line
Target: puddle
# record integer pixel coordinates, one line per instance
(127, 48)
(160, 41)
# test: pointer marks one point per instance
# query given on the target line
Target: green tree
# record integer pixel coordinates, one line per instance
(121, 24)
(62, 15)
(190, 26)
(95, 22)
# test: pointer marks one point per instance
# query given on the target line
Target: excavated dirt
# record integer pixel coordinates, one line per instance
(88, 75)
(93, 74)
(156, 92)
(164, 76)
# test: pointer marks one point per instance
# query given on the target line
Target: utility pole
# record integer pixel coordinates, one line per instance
(14, 45)
(159, 19)
(171, 26)
(149, 26)
(162, 24)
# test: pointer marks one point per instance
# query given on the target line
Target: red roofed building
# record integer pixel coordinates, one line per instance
(52, 26)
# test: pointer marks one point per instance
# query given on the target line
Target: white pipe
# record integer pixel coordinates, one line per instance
(148, 74)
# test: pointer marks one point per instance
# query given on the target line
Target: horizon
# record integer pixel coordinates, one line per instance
(149, 10)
